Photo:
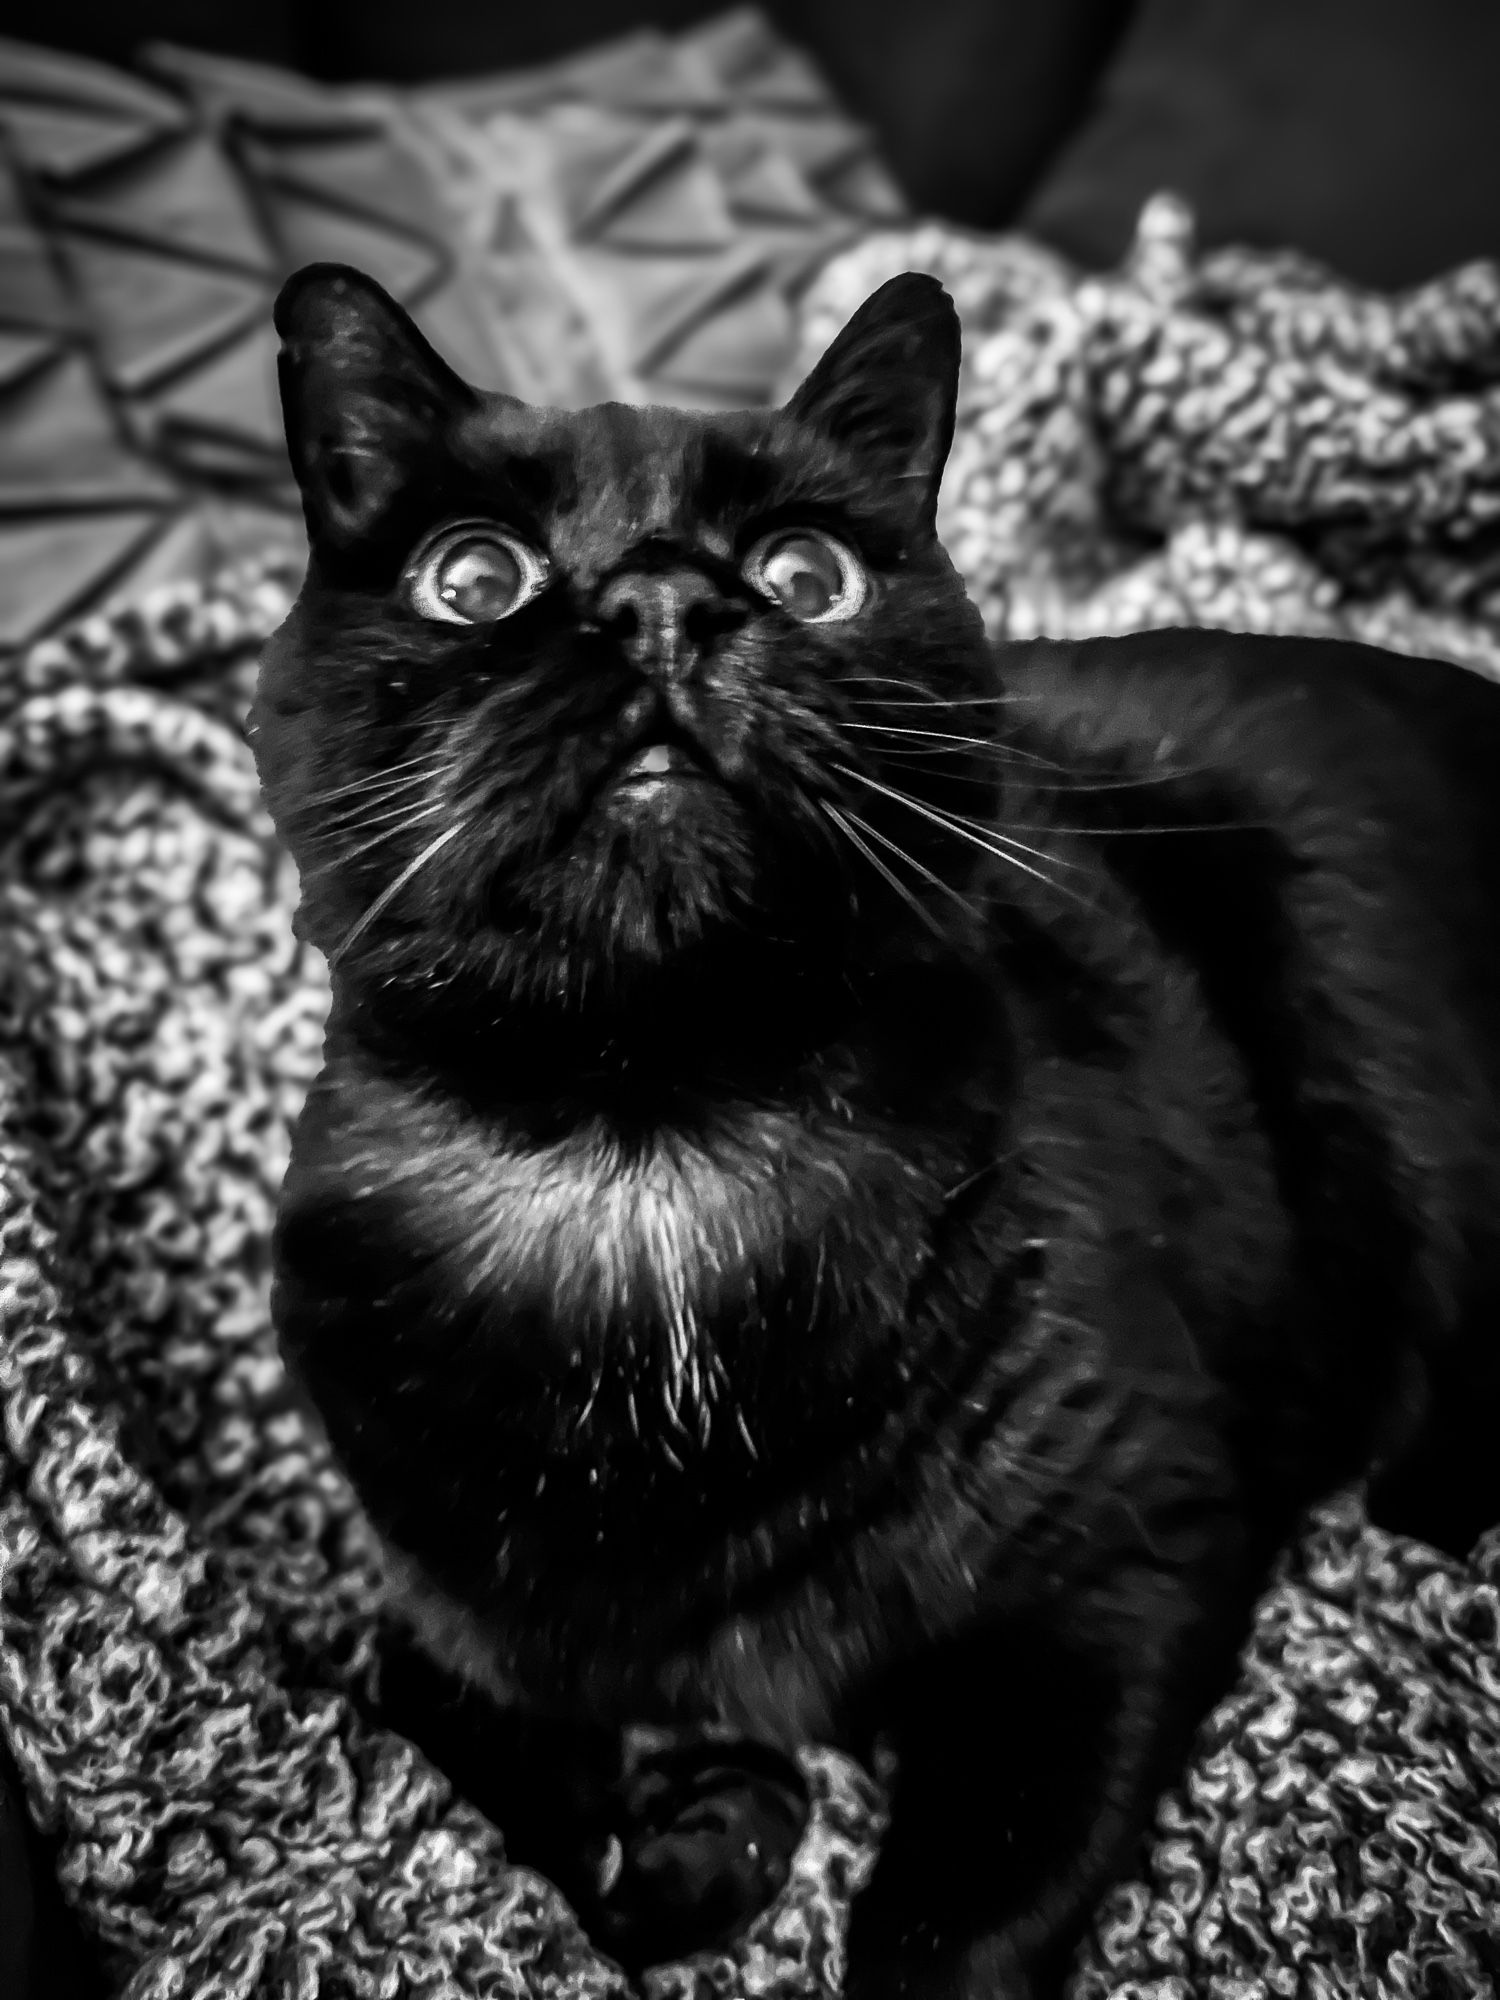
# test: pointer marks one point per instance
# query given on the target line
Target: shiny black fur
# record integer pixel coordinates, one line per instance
(778, 1256)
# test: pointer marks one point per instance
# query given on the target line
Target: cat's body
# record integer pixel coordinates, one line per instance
(891, 1272)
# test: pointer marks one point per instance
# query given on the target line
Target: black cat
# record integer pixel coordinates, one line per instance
(860, 1182)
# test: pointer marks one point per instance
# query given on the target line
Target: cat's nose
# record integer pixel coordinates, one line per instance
(664, 619)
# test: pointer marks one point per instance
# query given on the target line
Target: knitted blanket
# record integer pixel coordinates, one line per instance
(188, 1599)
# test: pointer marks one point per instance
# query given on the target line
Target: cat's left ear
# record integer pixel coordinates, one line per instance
(887, 387)
(363, 396)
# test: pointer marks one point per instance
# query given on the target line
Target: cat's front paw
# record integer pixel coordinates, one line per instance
(703, 1838)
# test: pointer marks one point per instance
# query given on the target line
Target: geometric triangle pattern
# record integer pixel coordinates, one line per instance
(21, 354)
(232, 90)
(640, 180)
(671, 297)
(311, 230)
(732, 354)
(755, 67)
(179, 195)
(644, 74)
(355, 167)
(63, 140)
(61, 445)
(761, 183)
(240, 378)
(31, 292)
(154, 312)
(682, 187)
(145, 224)
(43, 76)
(662, 197)
(634, 222)
(50, 567)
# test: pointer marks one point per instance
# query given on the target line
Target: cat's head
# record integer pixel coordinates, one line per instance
(578, 706)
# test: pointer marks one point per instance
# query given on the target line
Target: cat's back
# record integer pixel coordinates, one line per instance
(1272, 798)
(1372, 776)
(1313, 828)
(1289, 721)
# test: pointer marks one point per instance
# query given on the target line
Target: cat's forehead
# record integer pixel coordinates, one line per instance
(616, 474)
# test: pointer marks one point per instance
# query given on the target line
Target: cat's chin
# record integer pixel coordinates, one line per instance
(670, 780)
(670, 897)
(666, 858)
(665, 968)
(645, 797)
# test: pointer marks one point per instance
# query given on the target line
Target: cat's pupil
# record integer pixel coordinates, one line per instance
(804, 575)
(480, 579)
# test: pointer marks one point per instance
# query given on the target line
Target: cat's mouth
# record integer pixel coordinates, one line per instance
(660, 762)
(660, 776)
(657, 765)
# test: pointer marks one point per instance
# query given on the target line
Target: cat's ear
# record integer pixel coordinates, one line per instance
(887, 387)
(363, 396)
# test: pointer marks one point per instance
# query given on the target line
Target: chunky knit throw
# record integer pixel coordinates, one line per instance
(188, 1602)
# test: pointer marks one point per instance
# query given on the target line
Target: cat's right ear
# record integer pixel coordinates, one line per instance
(363, 397)
(887, 387)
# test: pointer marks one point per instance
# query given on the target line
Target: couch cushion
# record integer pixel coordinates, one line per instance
(1360, 131)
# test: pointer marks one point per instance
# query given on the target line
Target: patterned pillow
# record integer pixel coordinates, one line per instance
(631, 223)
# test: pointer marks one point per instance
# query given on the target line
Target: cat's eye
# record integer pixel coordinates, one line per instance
(808, 574)
(473, 573)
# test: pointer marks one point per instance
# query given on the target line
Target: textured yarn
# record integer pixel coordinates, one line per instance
(1235, 439)
(188, 1600)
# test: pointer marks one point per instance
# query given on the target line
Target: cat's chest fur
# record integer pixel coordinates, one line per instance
(756, 1226)
(673, 1235)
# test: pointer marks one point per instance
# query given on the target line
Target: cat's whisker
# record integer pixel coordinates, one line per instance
(356, 813)
(987, 831)
(894, 847)
(903, 757)
(880, 868)
(927, 735)
(934, 702)
(596, 1384)
(399, 819)
(952, 1193)
(891, 680)
(381, 781)
(405, 823)
(913, 759)
(387, 807)
(393, 889)
(356, 823)
(990, 842)
(940, 742)
(744, 1431)
(955, 822)
(375, 778)
(1080, 785)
